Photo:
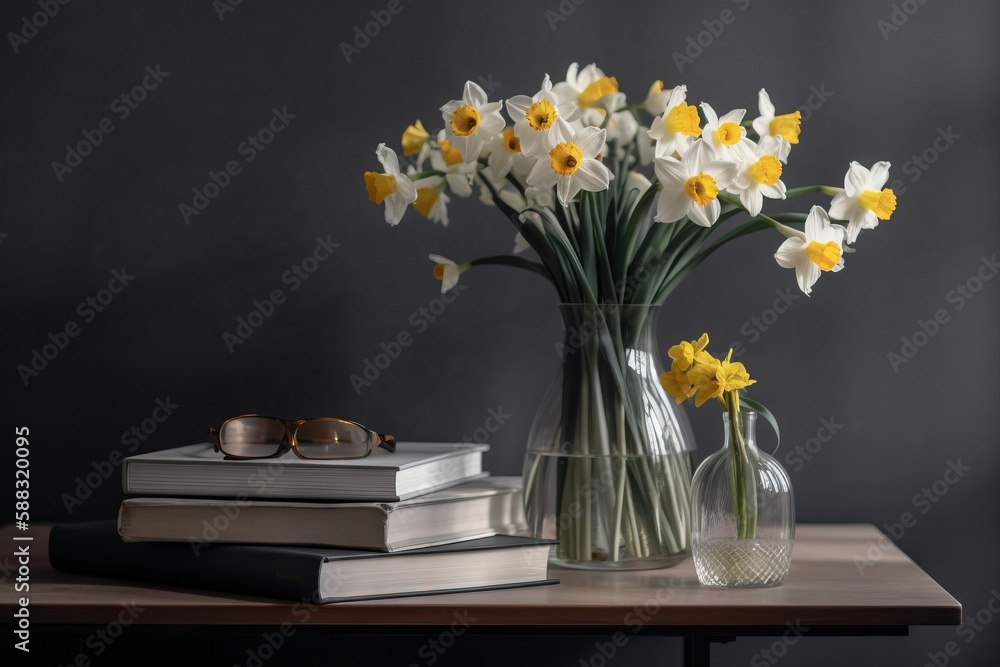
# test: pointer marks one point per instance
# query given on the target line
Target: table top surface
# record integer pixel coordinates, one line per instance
(841, 575)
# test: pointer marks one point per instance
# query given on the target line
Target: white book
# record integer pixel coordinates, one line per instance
(415, 468)
(481, 508)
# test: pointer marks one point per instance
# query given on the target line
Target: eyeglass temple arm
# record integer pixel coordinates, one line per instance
(214, 435)
(386, 441)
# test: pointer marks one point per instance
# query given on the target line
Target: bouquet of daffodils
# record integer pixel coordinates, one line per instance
(619, 203)
(568, 173)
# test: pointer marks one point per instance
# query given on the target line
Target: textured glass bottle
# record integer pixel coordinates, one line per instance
(742, 513)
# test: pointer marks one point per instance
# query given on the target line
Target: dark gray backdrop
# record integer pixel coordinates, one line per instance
(895, 78)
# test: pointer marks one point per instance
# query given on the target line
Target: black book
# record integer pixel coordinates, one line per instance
(302, 573)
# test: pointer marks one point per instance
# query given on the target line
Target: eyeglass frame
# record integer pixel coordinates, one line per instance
(290, 442)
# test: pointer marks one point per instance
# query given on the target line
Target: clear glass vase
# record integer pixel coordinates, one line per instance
(607, 470)
(742, 513)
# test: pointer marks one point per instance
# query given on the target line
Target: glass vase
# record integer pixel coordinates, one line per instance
(607, 470)
(743, 515)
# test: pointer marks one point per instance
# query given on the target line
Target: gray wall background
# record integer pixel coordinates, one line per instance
(825, 358)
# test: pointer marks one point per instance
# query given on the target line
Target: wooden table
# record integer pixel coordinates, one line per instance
(847, 580)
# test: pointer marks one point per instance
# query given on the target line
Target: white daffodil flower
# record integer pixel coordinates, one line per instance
(656, 99)
(727, 137)
(506, 154)
(863, 202)
(785, 127)
(819, 249)
(472, 122)
(432, 202)
(692, 184)
(588, 88)
(542, 121)
(457, 172)
(391, 187)
(678, 126)
(572, 166)
(447, 271)
(759, 175)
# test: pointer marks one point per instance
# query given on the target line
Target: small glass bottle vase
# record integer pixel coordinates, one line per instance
(742, 513)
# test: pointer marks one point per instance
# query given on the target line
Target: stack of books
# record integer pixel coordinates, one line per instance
(424, 519)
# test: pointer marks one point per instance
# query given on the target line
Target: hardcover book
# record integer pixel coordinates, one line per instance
(414, 469)
(302, 573)
(477, 509)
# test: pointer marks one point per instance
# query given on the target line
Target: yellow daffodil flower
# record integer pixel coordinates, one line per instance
(414, 138)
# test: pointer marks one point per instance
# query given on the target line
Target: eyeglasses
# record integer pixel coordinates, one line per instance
(262, 437)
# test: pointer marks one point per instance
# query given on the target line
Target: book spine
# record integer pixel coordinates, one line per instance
(247, 570)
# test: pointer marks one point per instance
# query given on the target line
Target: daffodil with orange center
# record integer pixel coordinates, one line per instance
(472, 122)
(390, 187)
(541, 121)
(573, 166)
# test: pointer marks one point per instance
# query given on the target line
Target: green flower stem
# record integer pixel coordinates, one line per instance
(515, 262)
(425, 174)
(743, 481)
(825, 189)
